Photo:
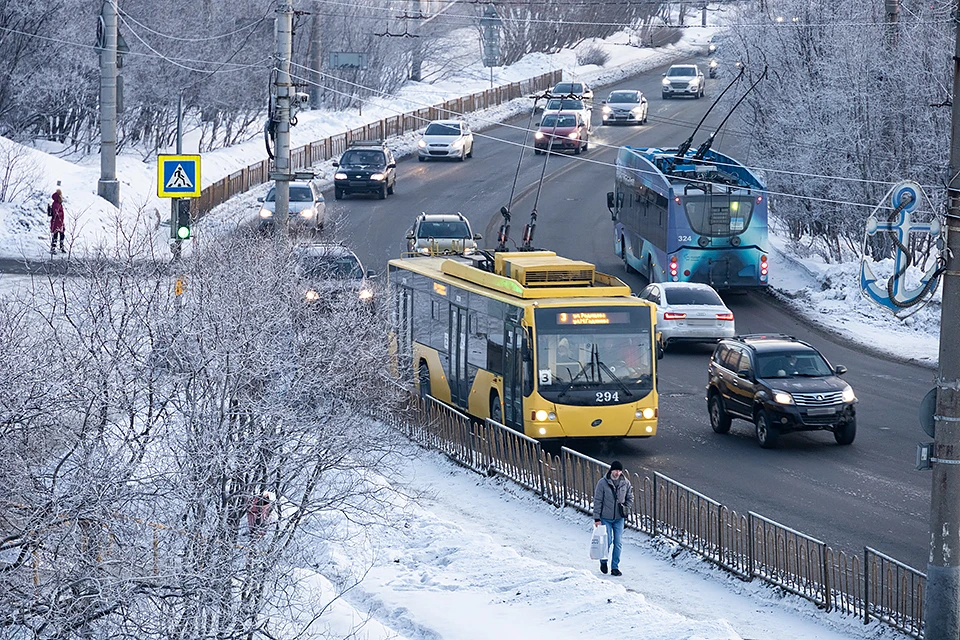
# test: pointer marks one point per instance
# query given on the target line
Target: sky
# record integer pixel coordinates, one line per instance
(480, 558)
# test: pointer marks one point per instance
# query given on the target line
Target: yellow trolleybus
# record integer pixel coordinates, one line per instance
(543, 344)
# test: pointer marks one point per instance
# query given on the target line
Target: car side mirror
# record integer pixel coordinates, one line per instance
(643, 101)
(840, 370)
(409, 236)
(392, 165)
(336, 164)
(371, 273)
(664, 75)
(745, 374)
(603, 102)
(477, 236)
(260, 199)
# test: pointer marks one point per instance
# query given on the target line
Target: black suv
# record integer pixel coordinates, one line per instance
(780, 384)
(365, 167)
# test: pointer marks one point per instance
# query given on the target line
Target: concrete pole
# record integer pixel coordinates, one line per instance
(892, 8)
(283, 90)
(942, 600)
(108, 187)
(316, 60)
(416, 56)
(703, 16)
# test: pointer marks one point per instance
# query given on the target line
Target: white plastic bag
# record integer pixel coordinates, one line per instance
(598, 543)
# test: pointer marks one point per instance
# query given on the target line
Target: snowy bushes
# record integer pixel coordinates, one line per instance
(137, 426)
(592, 55)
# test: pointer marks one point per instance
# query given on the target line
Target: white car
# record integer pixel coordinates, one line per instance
(689, 312)
(683, 80)
(572, 89)
(442, 234)
(446, 139)
(556, 105)
(307, 207)
(627, 106)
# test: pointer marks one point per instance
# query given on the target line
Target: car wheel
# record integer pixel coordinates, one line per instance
(537, 152)
(337, 193)
(463, 155)
(767, 434)
(421, 159)
(578, 150)
(496, 410)
(645, 113)
(586, 146)
(382, 194)
(391, 188)
(470, 155)
(719, 418)
(665, 96)
(846, 433)
(423, 375)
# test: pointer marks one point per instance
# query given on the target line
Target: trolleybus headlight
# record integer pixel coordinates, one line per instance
(543, 431)
(647, 413)
(541, 416)
(735, 241)
(648, 429)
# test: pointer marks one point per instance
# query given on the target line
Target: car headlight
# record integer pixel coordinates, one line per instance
(574, 135)
(713, 64)
(607, 109)
(636, 110)
(377, 176)
(365, 294)
(666, 82)
(469, 250)
(693, 83)
(311, 295)
(538, 135)
(266, 213)
(339, 176)
(782, 397)
(424, 250)
(306, 213)
(422, 144)
(712, 48)
(848, 394)
(456, 144)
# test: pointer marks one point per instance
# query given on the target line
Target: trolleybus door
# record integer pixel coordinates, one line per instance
(512, 377)
(459, 383)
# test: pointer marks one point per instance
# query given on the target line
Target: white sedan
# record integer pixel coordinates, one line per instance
(689, 312)
(446, 139)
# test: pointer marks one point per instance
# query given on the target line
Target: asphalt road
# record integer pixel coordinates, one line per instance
(864, 494)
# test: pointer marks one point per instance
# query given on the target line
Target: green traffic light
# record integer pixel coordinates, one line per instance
(183, 232)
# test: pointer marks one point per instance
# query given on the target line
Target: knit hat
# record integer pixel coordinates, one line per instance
(616, 466)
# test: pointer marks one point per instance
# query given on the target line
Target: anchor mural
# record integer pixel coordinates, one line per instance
(894, 295)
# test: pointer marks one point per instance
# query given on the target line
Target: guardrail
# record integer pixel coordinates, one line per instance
(327, 148)
(876, 587)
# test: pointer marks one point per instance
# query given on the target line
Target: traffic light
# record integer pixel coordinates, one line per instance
(182, 229)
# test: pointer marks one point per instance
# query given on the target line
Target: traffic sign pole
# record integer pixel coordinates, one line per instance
(175, 202)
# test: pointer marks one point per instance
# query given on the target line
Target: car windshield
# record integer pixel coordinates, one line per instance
(682, 71)
(297, 194)
(792, 364)
(630, 97)
(692, 295)
(363, 158)
(558, 121)
(331, 267)
(718, 215)
(556, 104)
(438, 129)
(450, 229)
(568, 87)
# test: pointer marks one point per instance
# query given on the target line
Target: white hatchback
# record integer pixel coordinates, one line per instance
(446, 139)
(689, 312)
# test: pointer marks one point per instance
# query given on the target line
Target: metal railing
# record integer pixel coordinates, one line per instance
(874, 587)
(331, 147)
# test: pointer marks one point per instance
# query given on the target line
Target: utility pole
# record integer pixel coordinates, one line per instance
(942, 600)
(703, 16)
(175, 202)
(108, 186)
(283, 90)
(416, 57)
(892, 8)
(316, 60)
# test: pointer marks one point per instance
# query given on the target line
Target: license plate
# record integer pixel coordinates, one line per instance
(821, 411)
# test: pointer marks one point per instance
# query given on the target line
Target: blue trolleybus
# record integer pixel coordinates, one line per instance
(690, 218)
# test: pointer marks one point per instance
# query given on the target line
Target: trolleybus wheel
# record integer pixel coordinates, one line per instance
(424, 375)
(496, 411)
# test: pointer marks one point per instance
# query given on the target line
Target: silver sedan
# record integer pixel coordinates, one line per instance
(689, 312)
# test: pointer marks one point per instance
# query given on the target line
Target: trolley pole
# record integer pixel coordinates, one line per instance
(108, 187)
(283, 88)
(942, 601)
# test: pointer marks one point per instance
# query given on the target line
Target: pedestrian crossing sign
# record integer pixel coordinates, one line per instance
(178, 176)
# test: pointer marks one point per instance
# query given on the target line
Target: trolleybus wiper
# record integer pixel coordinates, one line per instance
(685, 146)
(702, 150)
(572, 382)
(602, 365)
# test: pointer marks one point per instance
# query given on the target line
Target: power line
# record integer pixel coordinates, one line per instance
(250, 26)
(768, 192)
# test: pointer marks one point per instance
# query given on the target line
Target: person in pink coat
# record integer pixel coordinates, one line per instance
(57, 226)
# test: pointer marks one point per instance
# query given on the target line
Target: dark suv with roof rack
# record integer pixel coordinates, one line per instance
(367, 166)
(780, 384)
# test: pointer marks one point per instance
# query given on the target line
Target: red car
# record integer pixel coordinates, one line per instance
(565, 130)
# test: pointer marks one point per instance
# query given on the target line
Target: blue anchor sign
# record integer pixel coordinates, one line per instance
(894, 295)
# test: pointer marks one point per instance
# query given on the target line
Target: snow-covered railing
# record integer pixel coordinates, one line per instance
(752, 546)
(331, 147)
